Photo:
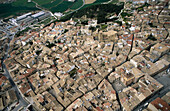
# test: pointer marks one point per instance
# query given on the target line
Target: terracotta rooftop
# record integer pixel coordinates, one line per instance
(161, 104)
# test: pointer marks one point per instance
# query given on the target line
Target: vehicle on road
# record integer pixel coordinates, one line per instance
(146, 104)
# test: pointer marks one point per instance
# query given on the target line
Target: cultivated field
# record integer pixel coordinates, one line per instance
(89, 1)
(77, 4)
(59, 5)
(22, 6)
(101, 1)
(62, 6)
(16, 8)
(42, 2)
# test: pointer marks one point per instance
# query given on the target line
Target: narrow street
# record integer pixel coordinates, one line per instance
(22, 101)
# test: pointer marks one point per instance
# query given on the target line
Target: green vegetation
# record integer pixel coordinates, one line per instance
(119, 22)
(52, 4)
(16, 8)
(77, 4)
(141, 7)
(24, 3)
(101, 1)
(103, 26)
(42, 2)
(103, 64)
(84, 22)
(99, 12)
(73, 72)
(114, 1)
(22, 32)
(65, 30)
(30, 42)
(124, 14)
(20, 7)
(59, 5)
(62, 7)
(92, 28)
(98, 2)
(67, 17)
(129, 2)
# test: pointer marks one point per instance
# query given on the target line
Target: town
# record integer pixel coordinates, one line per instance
(68, 66)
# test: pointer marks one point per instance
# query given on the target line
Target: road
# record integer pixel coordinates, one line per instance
(22, 101)
(164, 80)
(159, 94)
(107, 2)
(119, 15)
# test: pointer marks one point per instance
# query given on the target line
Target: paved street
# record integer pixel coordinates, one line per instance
(22, 101)
(164, 79)
(57, 78)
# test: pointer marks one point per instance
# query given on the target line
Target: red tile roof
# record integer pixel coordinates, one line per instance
(98, 109)
(161, 104)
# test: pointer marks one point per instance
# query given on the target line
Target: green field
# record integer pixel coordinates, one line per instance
(22, 6)
(42, 2)
(101, 1)
(95, 3)
(24, 3)
(77, 4)
(16, 8)
(53, 4)
(62, 6)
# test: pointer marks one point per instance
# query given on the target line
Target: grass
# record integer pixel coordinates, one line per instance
(59, 5)
(23, 3)
(62, 7)
(16, 8)
(101, 1)
(53, 4)
(42, 2)
(20, 7)
(77, 4)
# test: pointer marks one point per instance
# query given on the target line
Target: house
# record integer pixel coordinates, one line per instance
(158, 66)
(114, 77)
(7, 98)
(107, 36)
(131, 97)
(158, 104)
(76, 104)
(127, 77)
(159, 49)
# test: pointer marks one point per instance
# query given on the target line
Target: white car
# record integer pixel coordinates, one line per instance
(146, 104)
